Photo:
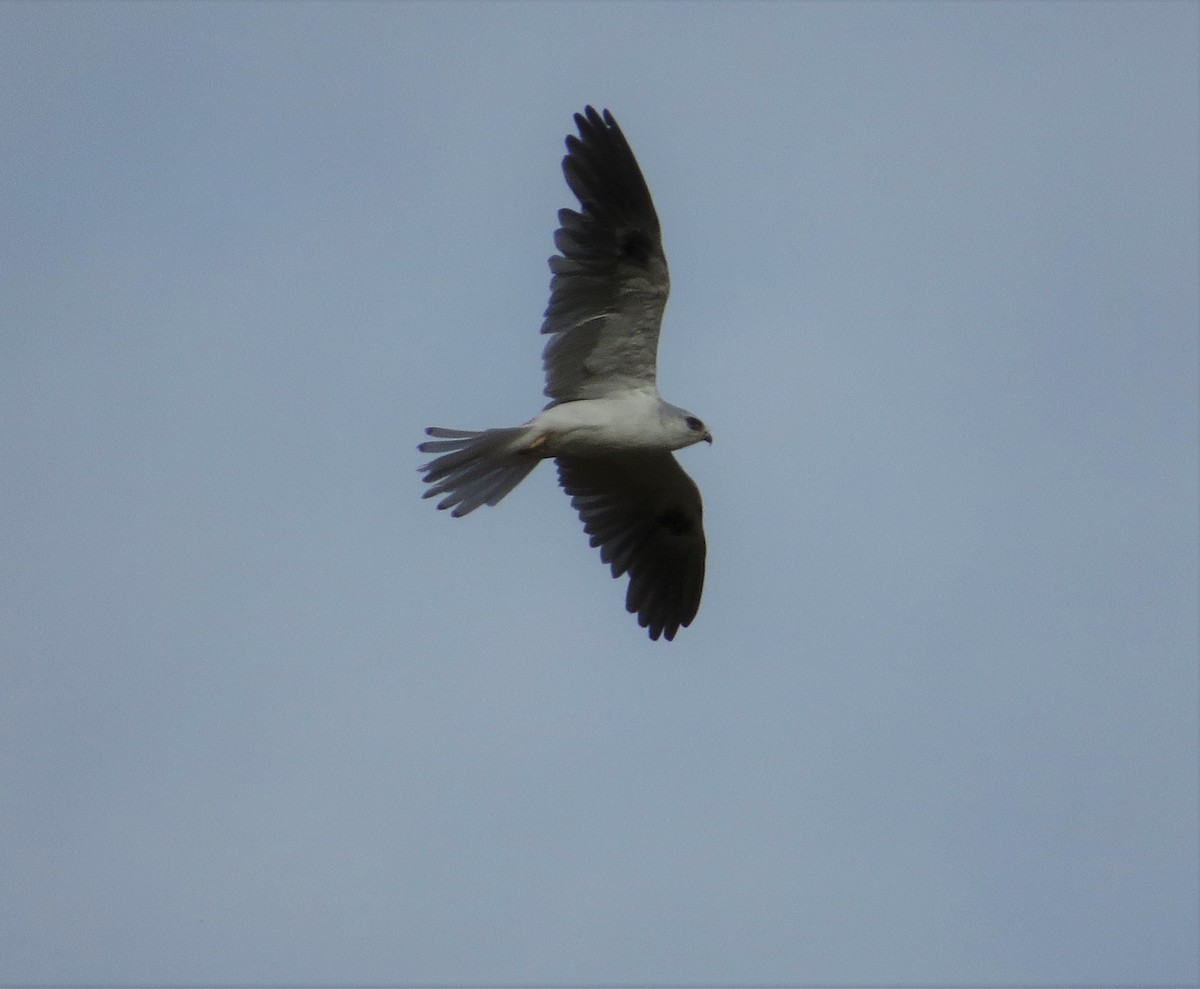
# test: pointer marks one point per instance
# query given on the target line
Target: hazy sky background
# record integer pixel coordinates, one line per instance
(269, 717)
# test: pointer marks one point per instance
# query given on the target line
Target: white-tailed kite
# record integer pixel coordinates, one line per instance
(607, 428)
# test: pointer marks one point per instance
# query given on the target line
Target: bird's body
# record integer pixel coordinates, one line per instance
(606, 425)
(633, 423)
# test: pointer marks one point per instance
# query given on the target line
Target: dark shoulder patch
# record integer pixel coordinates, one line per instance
(634, 246)
(676, 522)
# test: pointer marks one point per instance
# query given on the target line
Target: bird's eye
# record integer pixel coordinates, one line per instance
(694, 424)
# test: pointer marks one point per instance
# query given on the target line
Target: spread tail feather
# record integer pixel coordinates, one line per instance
(476, 468)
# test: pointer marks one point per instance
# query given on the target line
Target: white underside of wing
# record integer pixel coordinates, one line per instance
(605, 352)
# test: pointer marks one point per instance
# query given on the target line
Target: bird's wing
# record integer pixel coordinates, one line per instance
(645, 514)
(609, 283)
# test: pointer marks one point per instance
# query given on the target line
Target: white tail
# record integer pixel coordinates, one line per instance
(476, 468)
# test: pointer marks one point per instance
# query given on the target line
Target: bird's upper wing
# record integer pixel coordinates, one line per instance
(609, 285)
(645, 514)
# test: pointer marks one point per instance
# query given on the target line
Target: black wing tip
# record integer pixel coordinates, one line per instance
(602, 170)
(667, 631)
(657, 625)
(590, 120)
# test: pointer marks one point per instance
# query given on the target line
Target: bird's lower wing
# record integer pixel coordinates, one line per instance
(646, 516)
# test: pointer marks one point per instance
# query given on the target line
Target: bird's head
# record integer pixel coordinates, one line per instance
(696, 430)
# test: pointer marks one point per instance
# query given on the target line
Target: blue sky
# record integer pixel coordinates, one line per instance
(269, 717)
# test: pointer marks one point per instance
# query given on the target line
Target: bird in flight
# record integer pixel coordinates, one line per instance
(606, 426)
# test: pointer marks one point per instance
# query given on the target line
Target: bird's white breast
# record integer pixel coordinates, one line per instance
(601, 426)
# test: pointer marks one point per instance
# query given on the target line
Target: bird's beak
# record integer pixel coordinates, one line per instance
(708, 438)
